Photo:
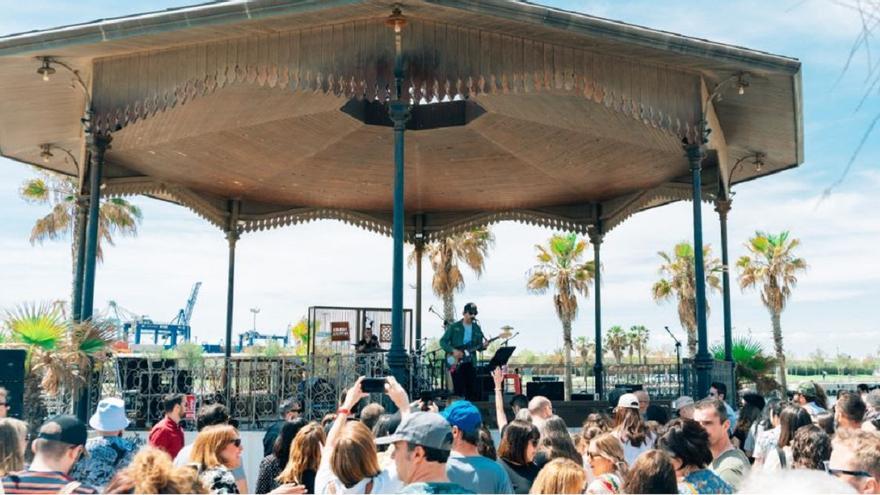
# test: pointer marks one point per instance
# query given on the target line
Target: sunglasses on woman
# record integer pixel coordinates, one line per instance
(837, 472)
(236, 442)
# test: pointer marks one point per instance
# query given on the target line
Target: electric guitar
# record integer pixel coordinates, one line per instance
(468, 352)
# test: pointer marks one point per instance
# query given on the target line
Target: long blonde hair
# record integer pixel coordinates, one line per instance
(152, 471)
(209, 443)
(355, 456)
(11, 453)
(305, 453)
(629, 426)
(560, 475)
(609, 447)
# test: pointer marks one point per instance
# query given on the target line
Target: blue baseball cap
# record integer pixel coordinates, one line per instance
(464, 415)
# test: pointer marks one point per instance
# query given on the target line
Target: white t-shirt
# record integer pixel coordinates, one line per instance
(772, 461)
(386, 482)
(630, 452)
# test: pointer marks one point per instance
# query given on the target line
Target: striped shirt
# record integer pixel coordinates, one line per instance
(40, 482)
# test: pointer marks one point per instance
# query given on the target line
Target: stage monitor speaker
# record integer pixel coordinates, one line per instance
(12, 379)
(583, 396)
(545, 378)
(550, 390)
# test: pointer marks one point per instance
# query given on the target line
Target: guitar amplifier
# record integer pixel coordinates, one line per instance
(550, 390)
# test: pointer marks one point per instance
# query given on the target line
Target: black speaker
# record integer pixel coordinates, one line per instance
(550, 390)
(583, 396)
(12, 379)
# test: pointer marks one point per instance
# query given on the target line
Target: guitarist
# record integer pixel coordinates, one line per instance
(461, 339)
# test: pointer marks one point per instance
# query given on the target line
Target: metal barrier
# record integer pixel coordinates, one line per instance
(259, 384)
(662, 381)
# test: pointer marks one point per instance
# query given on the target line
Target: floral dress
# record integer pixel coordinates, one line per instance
(703, 481)
(766, 443)
(106, 456)
(605, 483)
(219, 479)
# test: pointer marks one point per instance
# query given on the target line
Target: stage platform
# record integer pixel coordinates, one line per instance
(573, 412)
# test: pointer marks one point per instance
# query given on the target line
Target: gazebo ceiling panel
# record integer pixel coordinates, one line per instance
(236, 106)
(36, 112)
(565, 111)
(322, 159)
(198, 100)
(355, 59)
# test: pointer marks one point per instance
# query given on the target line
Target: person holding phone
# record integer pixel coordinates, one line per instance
(350, 460)
(460, 340)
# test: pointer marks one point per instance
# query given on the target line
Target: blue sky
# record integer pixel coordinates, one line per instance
(283, 272)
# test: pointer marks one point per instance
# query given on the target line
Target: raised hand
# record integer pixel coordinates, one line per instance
(354, 395)
(498, 377)
(397, 394)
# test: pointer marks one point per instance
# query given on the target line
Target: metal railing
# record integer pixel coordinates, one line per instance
(259, 384)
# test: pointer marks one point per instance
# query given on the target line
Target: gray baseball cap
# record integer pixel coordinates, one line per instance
(681, 402)
(422, 428)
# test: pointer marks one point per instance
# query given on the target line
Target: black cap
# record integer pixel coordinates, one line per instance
(289, 405)
(470, 308)
(66, 428)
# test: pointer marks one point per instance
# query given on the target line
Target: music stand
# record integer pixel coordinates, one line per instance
(501, 357)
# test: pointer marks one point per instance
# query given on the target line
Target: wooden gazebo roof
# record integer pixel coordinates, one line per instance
(564, 118)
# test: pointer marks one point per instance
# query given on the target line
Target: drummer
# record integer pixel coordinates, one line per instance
(368, 343)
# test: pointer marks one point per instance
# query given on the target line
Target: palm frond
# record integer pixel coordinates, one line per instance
(35, 191)
(37, 325)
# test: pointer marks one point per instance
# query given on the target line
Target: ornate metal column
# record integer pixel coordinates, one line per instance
(97, 144)
(419, 251)
(596, 237)
(398, 110)
(703, 360)
(82, 206)
(722, 206)
(232, 235)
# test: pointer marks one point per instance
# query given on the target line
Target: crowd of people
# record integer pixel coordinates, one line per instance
(798, 444)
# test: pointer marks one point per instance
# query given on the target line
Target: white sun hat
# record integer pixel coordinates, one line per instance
(110, 415)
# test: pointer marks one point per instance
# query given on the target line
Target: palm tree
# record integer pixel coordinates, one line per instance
(560, 266)
(773, 265)
(470, 248)
(752, 365)
(639, 340)
(679, 281)
(116, 215)
(60, 354)
(616, 341)
(585, 349)
(632, 343)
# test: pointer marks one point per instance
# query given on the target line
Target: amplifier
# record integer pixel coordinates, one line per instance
(551, 390)
(12, 379)
(545, 378)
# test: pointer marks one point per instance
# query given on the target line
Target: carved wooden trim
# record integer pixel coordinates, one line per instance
(527, 217)
(355, 60)
(180, 195)
(620, 209)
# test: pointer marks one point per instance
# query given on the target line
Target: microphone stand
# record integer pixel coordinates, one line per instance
(677, 357)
